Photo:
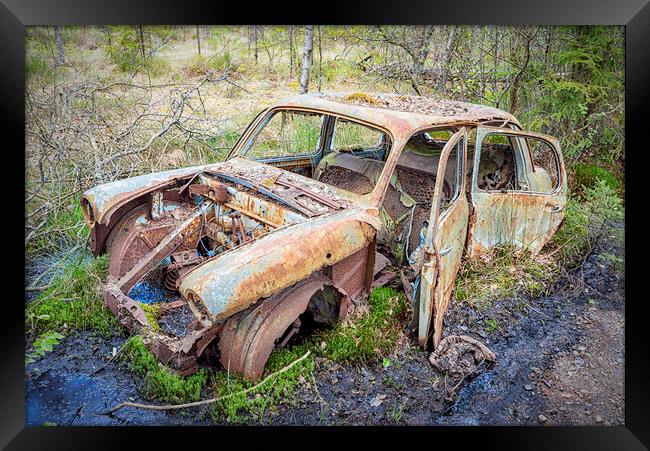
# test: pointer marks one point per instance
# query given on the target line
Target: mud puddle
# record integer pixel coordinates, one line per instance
(78, 382)
(81, 379)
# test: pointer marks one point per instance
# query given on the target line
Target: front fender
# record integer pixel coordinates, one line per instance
(234, 280)
(100, 202)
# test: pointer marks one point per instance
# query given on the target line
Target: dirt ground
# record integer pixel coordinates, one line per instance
(560, 361)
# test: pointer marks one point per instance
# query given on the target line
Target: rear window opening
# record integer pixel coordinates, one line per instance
(497, 170)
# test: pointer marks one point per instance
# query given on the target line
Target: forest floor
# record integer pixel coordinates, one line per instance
(560, 361)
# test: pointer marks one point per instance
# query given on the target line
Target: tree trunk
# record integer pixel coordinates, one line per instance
(496, 59)
(515, 84)
(425, 46)
(141, 40)
(306, 59)
(255, 49)
(291, 61)
(250, 39)
(442, 81)
(320, 59)
(60, 54)
(198, 39)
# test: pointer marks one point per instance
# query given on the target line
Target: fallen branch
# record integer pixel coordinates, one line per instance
(206, 401)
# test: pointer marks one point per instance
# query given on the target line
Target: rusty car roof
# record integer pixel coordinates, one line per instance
(399, 114)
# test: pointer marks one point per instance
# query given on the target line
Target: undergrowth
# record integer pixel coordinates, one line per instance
(72, 301)
(586, 175)
(367, 339)
(585, 222)
(508, 271)
(502, 274)
(159, 383)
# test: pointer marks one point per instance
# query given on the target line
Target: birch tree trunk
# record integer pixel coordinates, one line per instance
(291, 62)
(255, 42)
(320, 58)
(58, 38)
(141, 40)
(442, 81)
(198, 38)
(306, 59)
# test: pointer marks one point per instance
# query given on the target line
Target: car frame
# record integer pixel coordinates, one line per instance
(249, 298)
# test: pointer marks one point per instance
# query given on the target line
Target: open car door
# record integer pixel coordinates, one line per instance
(525, 210)
(444, 242)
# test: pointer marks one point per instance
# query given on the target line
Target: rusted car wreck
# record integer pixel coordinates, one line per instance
(318, 196)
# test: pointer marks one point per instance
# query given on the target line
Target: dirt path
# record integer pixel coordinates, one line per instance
(560, 360)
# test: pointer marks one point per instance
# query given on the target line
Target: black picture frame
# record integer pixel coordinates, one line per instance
(16, 14)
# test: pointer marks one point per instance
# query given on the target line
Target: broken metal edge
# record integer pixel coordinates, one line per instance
(178, 353)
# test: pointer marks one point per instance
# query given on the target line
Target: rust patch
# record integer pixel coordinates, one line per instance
(249, 337)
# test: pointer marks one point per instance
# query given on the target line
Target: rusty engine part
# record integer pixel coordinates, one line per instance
(137, 233)
(181, 264)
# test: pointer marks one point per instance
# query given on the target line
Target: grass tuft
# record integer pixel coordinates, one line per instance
(502, 274)
(160, 383)
(72, 302)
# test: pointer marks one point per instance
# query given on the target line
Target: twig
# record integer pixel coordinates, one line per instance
(210, 400)
(113, 357)
(313, 379)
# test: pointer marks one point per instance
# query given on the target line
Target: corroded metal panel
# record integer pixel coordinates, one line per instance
(524, 219)
(443, 246)
(234, 280)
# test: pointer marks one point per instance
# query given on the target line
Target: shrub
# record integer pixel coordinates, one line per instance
(588, 174)
(200, 64)
(156, 67)
(585, 221)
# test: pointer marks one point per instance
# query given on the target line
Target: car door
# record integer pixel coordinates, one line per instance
(527, 213)
(444, 242)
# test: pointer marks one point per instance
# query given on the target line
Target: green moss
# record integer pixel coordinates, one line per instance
(265, 398)
(491, 325)
(152, 312)
(159, 382)
(72, 301)
(368, 338)
(361, 97)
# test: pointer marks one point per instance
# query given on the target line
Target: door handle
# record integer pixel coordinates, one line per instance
(445, 251)
(556, 208)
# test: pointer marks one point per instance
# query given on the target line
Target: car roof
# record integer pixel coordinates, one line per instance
(400, 114)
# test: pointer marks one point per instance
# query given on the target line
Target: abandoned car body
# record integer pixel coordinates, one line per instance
(318, 199)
